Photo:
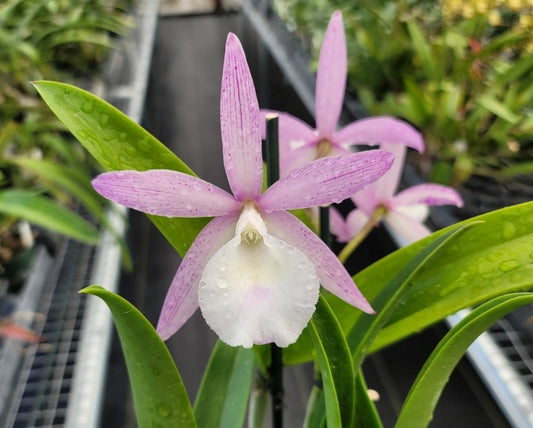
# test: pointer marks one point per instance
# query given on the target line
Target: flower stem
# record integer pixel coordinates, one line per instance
(276, 353)
(350, 247)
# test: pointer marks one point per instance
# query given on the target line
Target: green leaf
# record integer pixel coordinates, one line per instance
(159, 396)
(420, 403)
(70, 179)
(422, 49)
(498, 108)
(223, 395)
(78, 184)
(335, 362)
(118, 143)
(367, 327)
(39, 210)
(490, 259)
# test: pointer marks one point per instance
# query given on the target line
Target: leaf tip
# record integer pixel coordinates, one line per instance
(92, 289)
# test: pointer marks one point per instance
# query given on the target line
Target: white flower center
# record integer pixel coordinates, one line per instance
(256, 288)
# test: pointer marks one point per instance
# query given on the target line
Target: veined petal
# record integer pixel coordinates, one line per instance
(240, 124)
(378, 130)
(257, 289)
(331, 273)
(406, 228)
(182, 297)
(326, 180)
(331, 77)
(427, 194)
(166, 193)
(355, 222)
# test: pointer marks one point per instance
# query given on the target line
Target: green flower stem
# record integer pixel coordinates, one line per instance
(350, 247)
(276, 353)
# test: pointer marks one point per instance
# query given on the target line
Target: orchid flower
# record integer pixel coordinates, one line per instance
(255, 269)
(404, 212)
(300, 143)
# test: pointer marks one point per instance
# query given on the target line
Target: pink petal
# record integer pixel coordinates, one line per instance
(296, 159)
(428, 194)
(378, 130)
(355, 222)
(326, 180)
(240, 124)
(338, 226)
(406, 228)
(331, 77)
(166, 193)
(366, 200)
(386, 186)
(331, 273)
(182, 297)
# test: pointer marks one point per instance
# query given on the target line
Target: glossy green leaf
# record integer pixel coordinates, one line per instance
(223, 395)
(490, 259)
(159, 396)
(118, 143)
(420, 403)
(335, 363)
(367, 327)
(44, 212)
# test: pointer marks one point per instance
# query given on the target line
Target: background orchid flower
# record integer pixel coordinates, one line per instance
(255, 269)
(404, 213)
(300, 143)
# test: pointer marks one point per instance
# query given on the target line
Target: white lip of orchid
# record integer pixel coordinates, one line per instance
(257, 288)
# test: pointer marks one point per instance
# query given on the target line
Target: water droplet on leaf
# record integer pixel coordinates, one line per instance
(508, 265)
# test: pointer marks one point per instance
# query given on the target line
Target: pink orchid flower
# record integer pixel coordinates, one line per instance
(404, 213)
(255, 269)
(300, 143)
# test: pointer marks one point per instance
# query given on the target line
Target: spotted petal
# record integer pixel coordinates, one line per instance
(379, 130)
(326, 180)
(165, 193)
(240, 124)
(331, 273)
(258, 291)
(182, 297)
(331, 77)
